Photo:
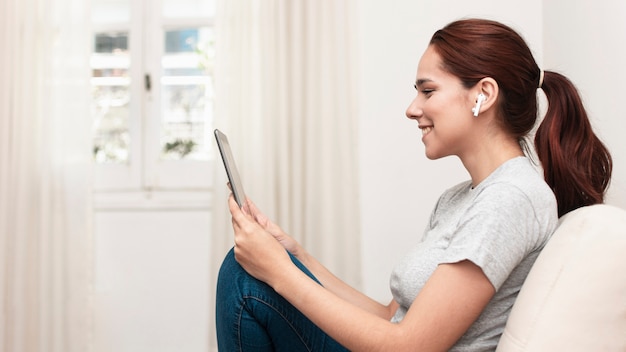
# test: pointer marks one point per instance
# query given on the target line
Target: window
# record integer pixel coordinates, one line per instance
(152, 94)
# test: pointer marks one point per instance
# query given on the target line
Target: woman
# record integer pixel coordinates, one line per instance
(476, 99)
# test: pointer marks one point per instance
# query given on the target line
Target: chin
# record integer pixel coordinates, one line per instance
(434, 154)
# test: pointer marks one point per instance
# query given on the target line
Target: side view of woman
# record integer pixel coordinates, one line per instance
(476, 99)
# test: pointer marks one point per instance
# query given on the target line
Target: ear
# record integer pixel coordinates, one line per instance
(488, 87)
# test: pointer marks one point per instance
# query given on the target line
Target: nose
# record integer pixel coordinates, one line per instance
(414, 110)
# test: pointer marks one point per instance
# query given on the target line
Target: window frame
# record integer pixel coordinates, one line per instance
(146, 171)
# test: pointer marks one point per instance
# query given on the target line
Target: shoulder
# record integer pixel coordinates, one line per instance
(517, 183)
(513, 193)
(517, 199)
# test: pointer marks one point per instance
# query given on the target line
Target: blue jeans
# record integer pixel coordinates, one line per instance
(251, 316)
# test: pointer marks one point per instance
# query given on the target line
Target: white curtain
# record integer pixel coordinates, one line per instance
(285, 96)
(44, 176)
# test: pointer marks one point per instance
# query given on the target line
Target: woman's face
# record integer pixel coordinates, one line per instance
(442, 108)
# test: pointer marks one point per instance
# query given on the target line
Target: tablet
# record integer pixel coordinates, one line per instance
(231, 168)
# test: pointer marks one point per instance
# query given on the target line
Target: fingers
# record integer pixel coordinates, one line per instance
(239, 217)
(237, 213)
(243, 219)
(252, 209)
(232, 205)
(249, 208)
(252, 206)
(257, 215)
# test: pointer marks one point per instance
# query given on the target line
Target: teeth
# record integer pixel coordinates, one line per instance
(425, 130)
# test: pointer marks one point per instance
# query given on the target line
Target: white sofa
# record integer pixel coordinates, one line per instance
(574, 298)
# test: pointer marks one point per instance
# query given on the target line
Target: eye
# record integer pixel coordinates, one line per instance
(423, 89)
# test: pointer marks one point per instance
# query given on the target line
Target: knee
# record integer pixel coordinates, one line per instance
(229, 262)
(228, 290)
(228, 270)
(232, 280)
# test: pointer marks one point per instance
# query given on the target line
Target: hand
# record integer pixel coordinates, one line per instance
(256, 249)
(287, 241)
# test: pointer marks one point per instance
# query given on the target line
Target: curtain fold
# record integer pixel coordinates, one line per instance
(45, 177)
(286, 98)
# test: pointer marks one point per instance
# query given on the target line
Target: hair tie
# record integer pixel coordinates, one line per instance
(540, 79)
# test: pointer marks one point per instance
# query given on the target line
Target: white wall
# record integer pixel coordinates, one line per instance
(399, 186)
(151, 287)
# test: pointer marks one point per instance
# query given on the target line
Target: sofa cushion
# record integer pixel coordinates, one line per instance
(574, 298)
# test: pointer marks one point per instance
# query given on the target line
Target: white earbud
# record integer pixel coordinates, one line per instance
(476, 109)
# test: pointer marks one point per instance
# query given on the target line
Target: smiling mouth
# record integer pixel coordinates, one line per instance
(426, 130)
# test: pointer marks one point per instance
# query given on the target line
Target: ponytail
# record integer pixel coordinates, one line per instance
(577, 166)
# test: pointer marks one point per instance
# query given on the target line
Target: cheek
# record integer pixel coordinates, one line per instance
(456, 112)
(438, 110)
(432, 107)
(452, 121)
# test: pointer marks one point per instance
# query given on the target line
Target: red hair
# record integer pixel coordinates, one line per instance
(577, 166)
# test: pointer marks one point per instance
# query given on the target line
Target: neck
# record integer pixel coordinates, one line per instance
(481, 163)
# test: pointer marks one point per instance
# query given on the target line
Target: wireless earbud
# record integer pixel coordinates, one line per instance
(476, 109)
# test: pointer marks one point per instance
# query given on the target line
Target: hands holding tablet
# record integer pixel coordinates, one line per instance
(260, 245)
(258, 241)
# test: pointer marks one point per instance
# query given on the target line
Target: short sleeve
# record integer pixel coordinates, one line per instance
(495, 232)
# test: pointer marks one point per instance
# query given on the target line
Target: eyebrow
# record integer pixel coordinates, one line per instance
(421, 81)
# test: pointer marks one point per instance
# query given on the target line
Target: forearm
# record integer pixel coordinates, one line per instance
(447, 305)
(343, 290)
(353, 327)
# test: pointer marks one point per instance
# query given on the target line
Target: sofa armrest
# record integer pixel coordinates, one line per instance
(574, 298)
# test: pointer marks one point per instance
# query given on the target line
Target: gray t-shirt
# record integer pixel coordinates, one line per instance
(500, 225)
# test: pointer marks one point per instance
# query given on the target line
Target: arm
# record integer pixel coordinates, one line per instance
(450, 301)
(327, 278)
(345, 291)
